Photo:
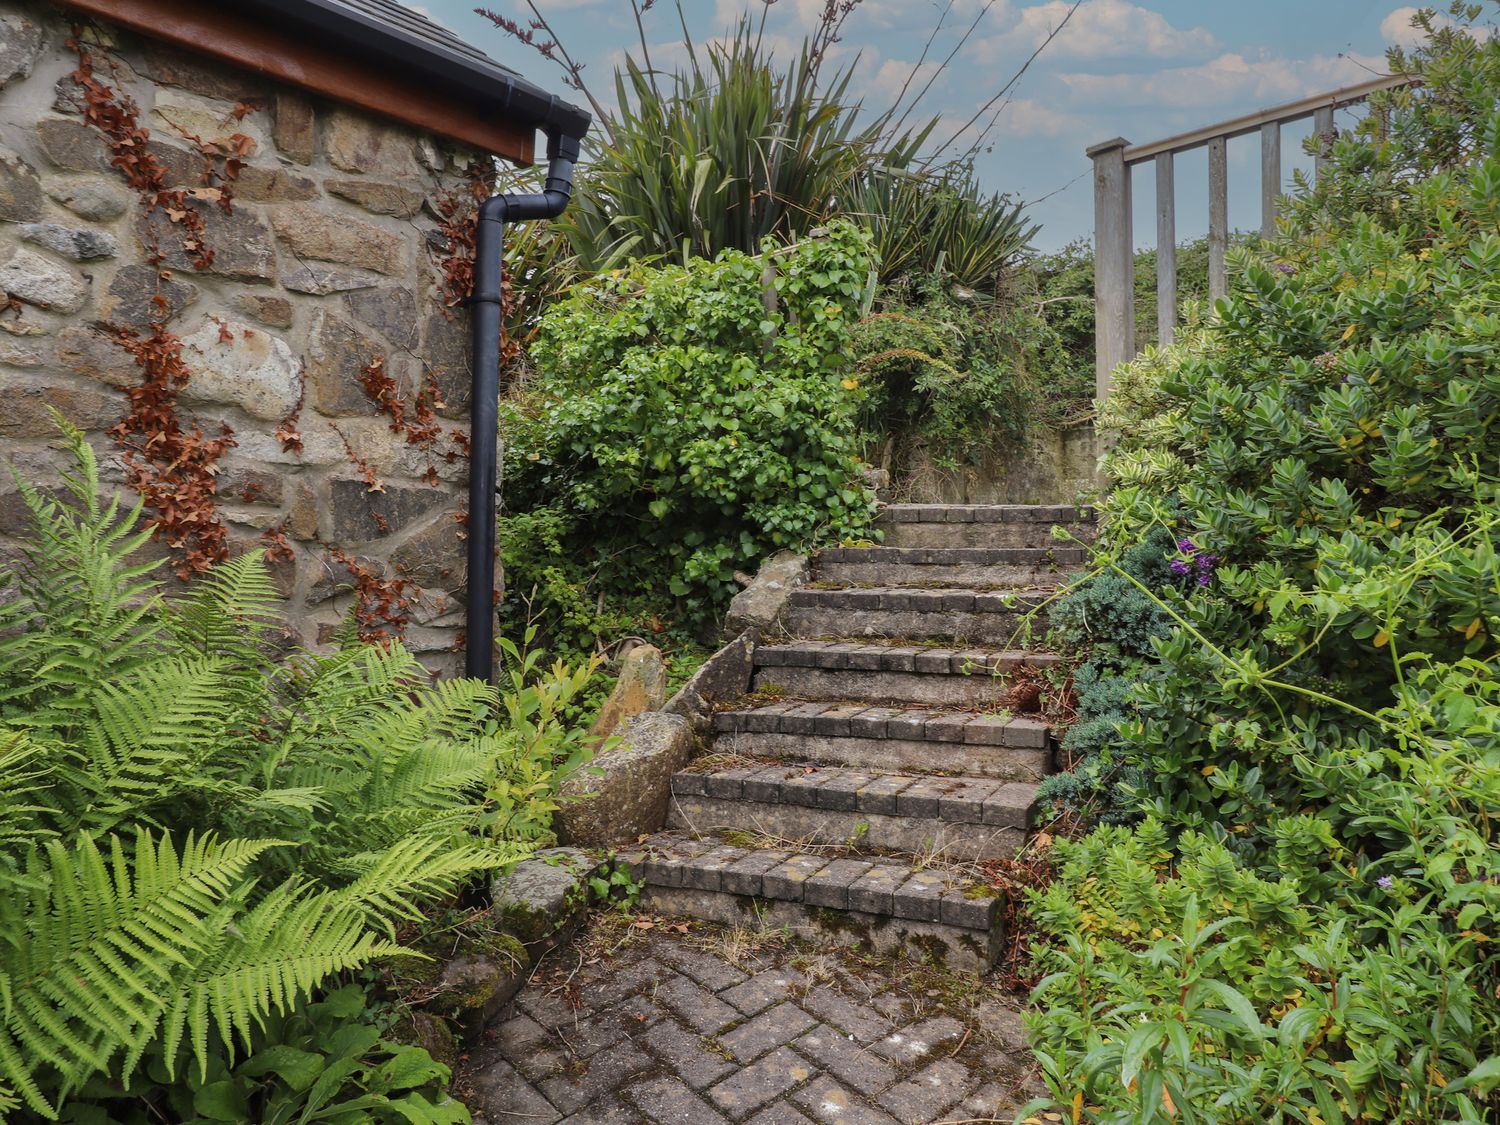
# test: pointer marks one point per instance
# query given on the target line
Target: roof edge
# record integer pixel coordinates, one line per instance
(494, 89)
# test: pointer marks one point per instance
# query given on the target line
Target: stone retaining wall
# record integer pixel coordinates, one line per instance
(324, 263)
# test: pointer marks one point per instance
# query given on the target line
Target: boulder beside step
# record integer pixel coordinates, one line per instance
(892, 673)
(859, 736)
(878, 904)
(957, 819)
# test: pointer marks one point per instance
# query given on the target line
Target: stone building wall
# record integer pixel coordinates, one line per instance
(324, 264)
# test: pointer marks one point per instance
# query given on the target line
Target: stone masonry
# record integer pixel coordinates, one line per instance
(323, 264)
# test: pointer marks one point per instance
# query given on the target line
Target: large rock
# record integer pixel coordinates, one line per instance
(73, 146)
(445, 347)
(625, 793)
(310, 232)
(41, 282)
(542, 899)
(356, 143)
(434, 556)
(192, 116)
(20, 190)
(337, 353)
(94, 198)
(359, 514)
(28, 405)
(233, 363)
(141, 295)
(295, 126)
(20, 43)
(724, 676)
(391, 312)
(473, 989)
(88, 352)
(241, 242)
(760, 604)
(82, 244)
(641, 686)
(378, 198)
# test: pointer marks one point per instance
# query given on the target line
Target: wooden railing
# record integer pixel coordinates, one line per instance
(1114, 258)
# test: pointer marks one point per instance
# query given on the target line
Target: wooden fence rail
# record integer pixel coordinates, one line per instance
(1114, 251)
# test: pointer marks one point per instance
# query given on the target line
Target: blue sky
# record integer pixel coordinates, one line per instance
(1142, 69)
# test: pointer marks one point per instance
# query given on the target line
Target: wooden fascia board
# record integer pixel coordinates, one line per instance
(215, 29)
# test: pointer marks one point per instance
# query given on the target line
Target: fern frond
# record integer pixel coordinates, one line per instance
(231, 612)
(271, 959)
(90, 613)
(107, 944)
(394, 882)
(147, 735)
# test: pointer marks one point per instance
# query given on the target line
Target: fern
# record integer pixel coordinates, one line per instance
(195, 838)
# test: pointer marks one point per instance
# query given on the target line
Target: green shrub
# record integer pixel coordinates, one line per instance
(195, 837)
(945, 371)
(685, 422)
(1323, 718)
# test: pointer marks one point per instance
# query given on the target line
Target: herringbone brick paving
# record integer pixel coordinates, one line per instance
(689, 1024)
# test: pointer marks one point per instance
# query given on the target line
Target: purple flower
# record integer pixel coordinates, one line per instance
(1205, 579)
(1187, 546)
(1384, 882)
(1206, 563)
(1180, 568)
(1286, 267)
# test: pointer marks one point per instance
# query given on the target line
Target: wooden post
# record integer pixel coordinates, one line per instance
(1114, 263)
(1270, 177)
(1218, 217)
(1323, 131)
(1166, 251)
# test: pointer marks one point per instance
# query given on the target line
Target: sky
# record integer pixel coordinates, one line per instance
(1142, 70)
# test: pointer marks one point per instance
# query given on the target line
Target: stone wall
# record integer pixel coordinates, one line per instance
(1048, 467)
(323, 264)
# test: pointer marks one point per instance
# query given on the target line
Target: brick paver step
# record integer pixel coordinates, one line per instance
(962, 818)
(1003, 617)
(860, 736)
(893, 673)
(954, 566)
(983, 525)
(885, 904)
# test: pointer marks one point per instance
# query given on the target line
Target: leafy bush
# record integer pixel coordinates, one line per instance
(942, 373)
(1064, 285)
(194, 837)
(684, 423)
(1322, 723)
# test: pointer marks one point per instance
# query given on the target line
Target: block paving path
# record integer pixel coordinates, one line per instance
(709, 1027)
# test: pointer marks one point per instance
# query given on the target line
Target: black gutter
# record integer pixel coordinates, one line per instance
(484, 397)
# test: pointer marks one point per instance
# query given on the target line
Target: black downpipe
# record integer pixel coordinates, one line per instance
(484, 397)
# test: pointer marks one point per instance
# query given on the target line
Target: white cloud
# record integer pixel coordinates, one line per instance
(1398, 30)
(1230, 78)
(1100, 29)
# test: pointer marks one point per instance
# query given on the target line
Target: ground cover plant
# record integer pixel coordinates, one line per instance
(1302, 925)
(203, 835)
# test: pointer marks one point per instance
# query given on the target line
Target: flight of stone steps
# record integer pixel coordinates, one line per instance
(889, 742)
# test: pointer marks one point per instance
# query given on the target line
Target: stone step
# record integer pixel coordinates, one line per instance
(892, 673)
(873, 903)
(950, 566)
(858, 736)
(1015, 618)
(983, 525)
(956, 818)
